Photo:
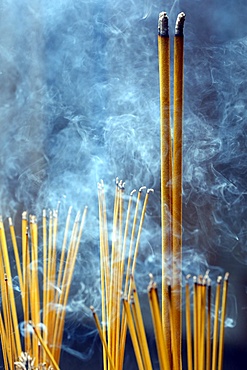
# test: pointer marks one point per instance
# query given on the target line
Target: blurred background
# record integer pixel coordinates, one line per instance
(79, 102)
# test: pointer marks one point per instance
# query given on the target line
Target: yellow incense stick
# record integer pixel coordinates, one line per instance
(223, 316)
(165, 162)
(216, 323)
(45, 347)
(177, 192)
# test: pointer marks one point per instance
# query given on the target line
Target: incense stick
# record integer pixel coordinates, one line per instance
(165, 162)
(177, 191)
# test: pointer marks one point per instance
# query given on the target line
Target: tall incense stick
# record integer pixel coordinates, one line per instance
(177, 192)
(165, 162)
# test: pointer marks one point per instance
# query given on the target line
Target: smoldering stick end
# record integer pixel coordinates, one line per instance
(179, 28)
(163, 25)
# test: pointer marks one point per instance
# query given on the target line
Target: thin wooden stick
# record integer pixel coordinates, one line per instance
(177, 193)
(9, 328)
(16, 252)
(34, 286)
(195, 323)
(208, 356)
(126, 230)
(137, 314)
(118, 268)
(166, 165)
(163, 354)
(62, 258)
(45, 347)
(53, 262)
(203, 324)
(45, 261)
(26, 279)
(102, 275)
(11, 294)
(4, 344)
(69, 279)
(102, 338)
(23, 234)
(128, 272)
(105, 245)
(223, 316)
(133, 334)
(112, 313)
(188, 324)
(199, 316)
(128, 269)
(58, 328)
(216, 323)
(48, 288)
(144, 207)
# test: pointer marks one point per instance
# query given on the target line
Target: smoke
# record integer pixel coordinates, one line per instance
(79, 101)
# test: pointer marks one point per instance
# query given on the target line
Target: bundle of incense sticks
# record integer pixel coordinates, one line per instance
(204, 352)
(44, 298)
(117, 262)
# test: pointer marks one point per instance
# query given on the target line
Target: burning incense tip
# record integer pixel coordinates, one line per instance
(121, 185)
(226, 276)
(150, 191)
(163, 28)
(133, 192)
(179, 28)
(151, 278)
(142, 188)
(24, 215)
(219, 279)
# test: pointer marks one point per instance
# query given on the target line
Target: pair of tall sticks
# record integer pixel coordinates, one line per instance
(171, 182)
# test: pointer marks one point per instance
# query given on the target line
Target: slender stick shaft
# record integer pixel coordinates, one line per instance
(195, 323)
(11, 292)
(188, 327)
(216, 324)
(136, 309)
(208, 356)
(102, 277)
(163, 354)
(165, 163)
(223, 316)
(46, 349)
(133, 335)
(102, 338)
(177, 193)
(16, 252)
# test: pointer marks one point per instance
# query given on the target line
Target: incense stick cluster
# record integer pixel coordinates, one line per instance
(43, 299)
(204, 350)
(118, 256)
(202, 354)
